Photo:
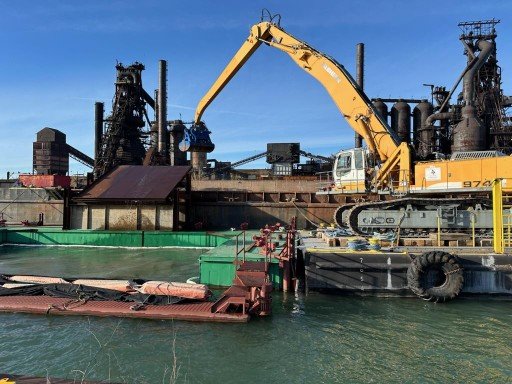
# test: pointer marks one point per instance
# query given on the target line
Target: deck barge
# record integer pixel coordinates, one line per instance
(384, 273)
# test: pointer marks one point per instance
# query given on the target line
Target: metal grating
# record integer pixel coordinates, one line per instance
(475, 155)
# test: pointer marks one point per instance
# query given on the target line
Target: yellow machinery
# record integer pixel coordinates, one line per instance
(353, 104)
(386, 166)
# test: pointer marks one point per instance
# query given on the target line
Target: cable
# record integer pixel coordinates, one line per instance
(305, 217)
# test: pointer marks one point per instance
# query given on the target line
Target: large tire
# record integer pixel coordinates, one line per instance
(435, 276)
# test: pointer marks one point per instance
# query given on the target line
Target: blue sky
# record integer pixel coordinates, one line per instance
(58, 57)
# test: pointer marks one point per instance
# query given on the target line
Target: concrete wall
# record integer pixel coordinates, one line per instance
(122, 217)
(19, 204)
(96, 218)
(147, 219)
(164, 217)
(79, 217)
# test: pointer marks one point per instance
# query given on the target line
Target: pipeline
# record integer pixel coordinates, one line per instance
(486, 48)
(439, 116)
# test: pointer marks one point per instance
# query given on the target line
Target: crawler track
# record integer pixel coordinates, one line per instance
(418, 203)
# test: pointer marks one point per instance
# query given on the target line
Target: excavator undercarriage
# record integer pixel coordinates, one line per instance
(417, 216)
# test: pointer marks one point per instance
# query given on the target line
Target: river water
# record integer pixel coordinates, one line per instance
(308, 339)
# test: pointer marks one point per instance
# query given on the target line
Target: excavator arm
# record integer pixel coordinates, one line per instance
(351, 101)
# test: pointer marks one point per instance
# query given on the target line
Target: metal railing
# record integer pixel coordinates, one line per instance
(502, 222)
(324, 180)
(239, 251)
(326, 183)
(269, 240)
(401, 186)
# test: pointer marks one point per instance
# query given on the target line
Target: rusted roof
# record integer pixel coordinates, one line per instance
(135, 183)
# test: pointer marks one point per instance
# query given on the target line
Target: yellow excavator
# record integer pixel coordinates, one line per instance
(415, 195)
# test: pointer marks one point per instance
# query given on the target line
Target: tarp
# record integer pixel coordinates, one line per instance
(82, 292)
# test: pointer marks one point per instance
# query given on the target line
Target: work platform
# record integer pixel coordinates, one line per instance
(217, 265)
(248, 295)
(44, 305)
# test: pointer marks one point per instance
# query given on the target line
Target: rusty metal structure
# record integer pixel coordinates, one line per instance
(123, 139)
(137, 184)
(286, 254)
(484, 89)
(284, 159)
(51, 153)
(478, 119)
(128, 136)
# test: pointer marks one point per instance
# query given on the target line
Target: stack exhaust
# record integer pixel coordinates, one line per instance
(162, 109)
(98, 128)
(469, 134)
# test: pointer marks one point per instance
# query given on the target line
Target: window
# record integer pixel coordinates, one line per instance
(343, 165)
(359, 160)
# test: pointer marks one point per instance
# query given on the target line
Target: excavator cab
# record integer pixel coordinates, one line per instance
(349, 171)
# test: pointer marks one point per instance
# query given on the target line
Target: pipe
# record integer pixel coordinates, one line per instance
(468, 67)
(98, 128)
(148, 99)
(156, 105)
(486, 48)
(439, 116)
(390, 100)
(162, 108)
(360, 81)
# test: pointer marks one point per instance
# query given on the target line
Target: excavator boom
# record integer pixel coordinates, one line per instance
(351, 101)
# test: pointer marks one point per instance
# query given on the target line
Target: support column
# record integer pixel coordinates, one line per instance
(162, 108)
(98, 129)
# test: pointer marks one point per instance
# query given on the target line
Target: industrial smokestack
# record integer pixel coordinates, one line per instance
(153, 137)
(98, 128)
(177, 131)
(360, 82)
(469, 134)
(162, 108)
(198, 163)
(486, 49)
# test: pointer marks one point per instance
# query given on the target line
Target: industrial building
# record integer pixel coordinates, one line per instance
(134, 197)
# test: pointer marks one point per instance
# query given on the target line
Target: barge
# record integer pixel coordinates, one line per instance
(249, 295)
(385, 273)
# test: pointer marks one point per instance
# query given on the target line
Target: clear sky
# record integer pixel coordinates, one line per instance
(58, 57)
